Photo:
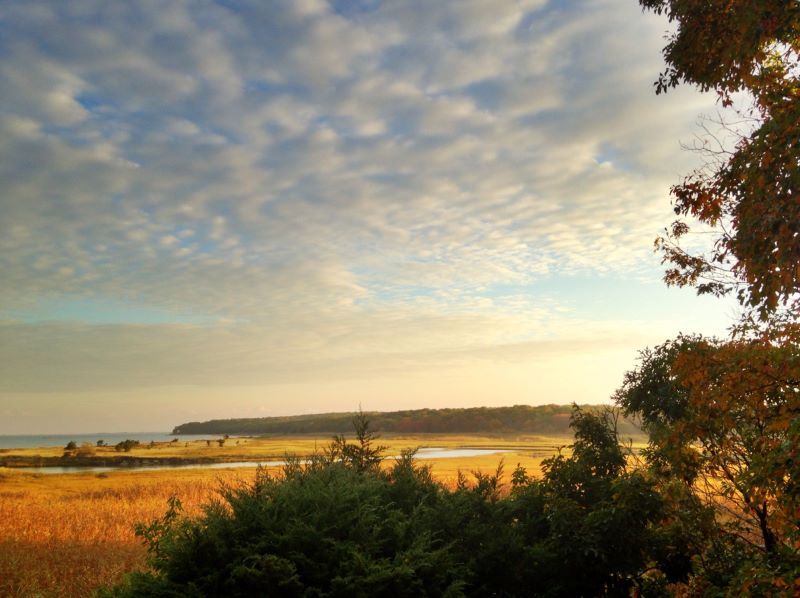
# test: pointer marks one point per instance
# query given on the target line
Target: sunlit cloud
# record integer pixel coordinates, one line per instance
(209, 194)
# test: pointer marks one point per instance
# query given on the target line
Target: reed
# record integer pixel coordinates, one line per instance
(67, 535)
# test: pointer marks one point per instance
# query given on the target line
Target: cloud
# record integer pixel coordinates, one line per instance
(334, 187)
(74, 356)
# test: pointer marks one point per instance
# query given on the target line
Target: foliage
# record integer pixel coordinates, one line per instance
(126, 445)
(521, 419)
(363, 454)
(652, 393)
(603, 518)
(153, 532)
(723, 419)
(340, 525)
(722, 415)
(750, 191)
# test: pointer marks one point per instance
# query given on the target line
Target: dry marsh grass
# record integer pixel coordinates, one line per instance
(67, 535)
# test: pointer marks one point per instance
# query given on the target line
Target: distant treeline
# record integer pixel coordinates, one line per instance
(521, 419)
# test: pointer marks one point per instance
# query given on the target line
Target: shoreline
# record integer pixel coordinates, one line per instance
(122, 461)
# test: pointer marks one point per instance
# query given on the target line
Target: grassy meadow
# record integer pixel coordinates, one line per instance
(65, 535)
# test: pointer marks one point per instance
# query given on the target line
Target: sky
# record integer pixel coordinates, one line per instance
(248, 208)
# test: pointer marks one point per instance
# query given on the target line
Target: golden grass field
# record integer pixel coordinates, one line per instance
(244, 449)
(66, 535)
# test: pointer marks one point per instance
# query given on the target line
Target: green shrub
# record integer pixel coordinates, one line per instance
(340, 525)
(126, 445)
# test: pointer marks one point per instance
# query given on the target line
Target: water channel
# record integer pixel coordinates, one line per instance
(423, 453)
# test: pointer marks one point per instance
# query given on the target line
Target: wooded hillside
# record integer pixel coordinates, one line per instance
(520, 419)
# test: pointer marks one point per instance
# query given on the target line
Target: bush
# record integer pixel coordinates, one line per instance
(126, 445)
(340, 525)
(85, 450)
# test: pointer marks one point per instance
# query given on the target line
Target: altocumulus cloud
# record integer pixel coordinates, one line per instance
(321, 189)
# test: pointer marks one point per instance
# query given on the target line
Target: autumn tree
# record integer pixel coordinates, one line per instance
(748, 193)
(722, 418)
(723, 414)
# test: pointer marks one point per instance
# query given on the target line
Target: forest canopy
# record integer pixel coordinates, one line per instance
(519, 419)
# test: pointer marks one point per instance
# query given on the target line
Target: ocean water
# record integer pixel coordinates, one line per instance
(49, 440)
